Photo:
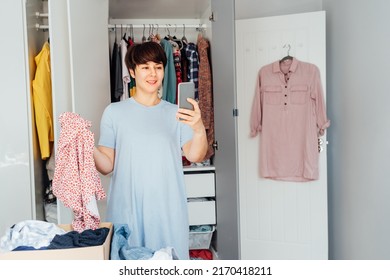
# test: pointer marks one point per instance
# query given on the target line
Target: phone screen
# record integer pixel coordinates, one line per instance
(186, 90)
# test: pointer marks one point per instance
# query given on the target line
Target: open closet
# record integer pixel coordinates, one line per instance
(81, 42)
(246, 210)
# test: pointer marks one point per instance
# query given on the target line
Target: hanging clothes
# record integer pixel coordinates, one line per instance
(116, 73)
(132, 87)
(118, 92)
(184, 63)
(125, 71)
(169, 82)
(177, 63)
(205, 93)
(42, 101)
(76, 181)
(193, 66)
(112, 71)
(289, 111)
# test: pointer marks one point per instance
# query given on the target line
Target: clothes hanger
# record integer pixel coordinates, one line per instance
(200, 32)
(131, 36)
(128, 38)
(115, 34)
(287, 57)
(184, 38)
(143, 36)
(124, 35)
(157, 37)
(179, 42)
(151, 35)
(168, 37)
(154, 36)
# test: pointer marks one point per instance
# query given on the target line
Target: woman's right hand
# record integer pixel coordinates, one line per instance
(104, 159)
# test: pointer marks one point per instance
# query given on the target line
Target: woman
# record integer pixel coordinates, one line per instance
(141, 140)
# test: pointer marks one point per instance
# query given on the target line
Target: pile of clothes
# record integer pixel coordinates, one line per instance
(41, 235)
(121, 250)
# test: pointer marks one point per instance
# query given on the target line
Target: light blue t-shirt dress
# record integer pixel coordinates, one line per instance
(147, 189)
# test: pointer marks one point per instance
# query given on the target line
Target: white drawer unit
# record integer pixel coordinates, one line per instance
(201, 212)
(200, 186)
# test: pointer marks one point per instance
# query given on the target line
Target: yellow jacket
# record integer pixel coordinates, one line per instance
(42, 101)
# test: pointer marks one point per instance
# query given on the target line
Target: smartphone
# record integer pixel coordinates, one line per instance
(186, 90)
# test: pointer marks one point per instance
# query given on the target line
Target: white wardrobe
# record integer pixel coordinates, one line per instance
(80, 46)
(79, 41)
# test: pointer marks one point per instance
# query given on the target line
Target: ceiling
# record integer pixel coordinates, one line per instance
(158, 9)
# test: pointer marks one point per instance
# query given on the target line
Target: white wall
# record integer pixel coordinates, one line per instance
(359, 150)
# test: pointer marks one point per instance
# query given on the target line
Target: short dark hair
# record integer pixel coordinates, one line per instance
(143, 53)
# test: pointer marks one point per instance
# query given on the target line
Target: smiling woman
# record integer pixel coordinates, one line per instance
(142, 194)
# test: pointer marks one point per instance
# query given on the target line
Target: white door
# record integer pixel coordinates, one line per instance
(278, 220)
(79, 40)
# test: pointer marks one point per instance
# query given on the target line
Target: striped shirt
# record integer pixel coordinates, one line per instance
(193, 66)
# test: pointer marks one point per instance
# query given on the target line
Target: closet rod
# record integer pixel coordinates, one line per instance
(155, 25)
(112, 26)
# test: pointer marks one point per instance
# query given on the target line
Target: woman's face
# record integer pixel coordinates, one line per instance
(148, 77)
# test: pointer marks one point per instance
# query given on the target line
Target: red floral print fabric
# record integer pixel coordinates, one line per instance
(76, 181)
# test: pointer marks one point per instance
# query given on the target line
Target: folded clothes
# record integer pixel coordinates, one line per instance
(201, 228)
(31, 233)
(202, 254)
(28, 248)
(73, 239)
